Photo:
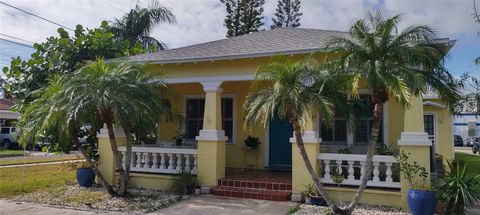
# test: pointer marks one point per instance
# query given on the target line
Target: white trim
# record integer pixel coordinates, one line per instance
(434, 104)
(452, 134)
(414, 139)
(308, 137)
(211, 135)
(221, 78)
(103, 133)
(202, 96)
(212, 86)
(435, 130)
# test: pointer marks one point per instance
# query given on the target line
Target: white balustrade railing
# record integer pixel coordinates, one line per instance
(160, 159)
(351, 167)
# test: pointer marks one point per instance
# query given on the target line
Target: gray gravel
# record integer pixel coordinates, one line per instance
(360, 210)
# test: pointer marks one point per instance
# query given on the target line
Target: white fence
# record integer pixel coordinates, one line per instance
(161, 160)
(351, 167)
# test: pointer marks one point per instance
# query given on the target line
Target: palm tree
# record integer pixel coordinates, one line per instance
(48, 113)
(119, 93)
(297, 92)
(395, 64)
(136, 25)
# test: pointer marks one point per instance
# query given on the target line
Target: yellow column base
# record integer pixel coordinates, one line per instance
(210, 157)
(106, 161)
(300, 175)
(418, 145)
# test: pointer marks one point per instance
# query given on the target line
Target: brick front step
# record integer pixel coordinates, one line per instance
(251, 193)
(256, 185)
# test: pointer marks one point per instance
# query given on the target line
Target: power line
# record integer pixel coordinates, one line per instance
(32, 14)
(13, 37)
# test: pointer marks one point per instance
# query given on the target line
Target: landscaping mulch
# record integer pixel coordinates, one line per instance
(94, 198)
(359, 210)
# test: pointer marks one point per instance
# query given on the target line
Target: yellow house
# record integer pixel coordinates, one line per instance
(210, 82)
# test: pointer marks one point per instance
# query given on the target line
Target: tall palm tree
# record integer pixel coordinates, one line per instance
(136, 25)
(395, 64)
(48, 112)
(121, 94)
(297, 92)
(115, 93)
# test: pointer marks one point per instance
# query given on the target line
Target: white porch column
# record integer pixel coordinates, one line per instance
(211, 139)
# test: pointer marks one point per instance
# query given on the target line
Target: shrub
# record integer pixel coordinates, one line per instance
(457, 189)
(183, 183)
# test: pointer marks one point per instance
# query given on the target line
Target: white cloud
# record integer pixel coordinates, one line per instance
(202, 20)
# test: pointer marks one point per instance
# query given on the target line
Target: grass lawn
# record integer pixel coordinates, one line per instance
(19, 180)
(10, 152)
(39, 160)
(472, 161)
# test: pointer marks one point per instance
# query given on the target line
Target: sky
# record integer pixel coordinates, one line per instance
(202, 20)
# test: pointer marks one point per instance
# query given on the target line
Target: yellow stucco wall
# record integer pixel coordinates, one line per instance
(236, 155)
(369, 196)
(444, 129)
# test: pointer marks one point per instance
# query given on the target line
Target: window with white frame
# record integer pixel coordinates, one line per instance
(335, 133)
(194, 112)
(363, 109)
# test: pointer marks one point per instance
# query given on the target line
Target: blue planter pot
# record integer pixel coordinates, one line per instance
(85, 177)
(421, 202)
(317, 200)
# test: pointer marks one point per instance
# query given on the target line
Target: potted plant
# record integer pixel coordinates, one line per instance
(179, 137)
(252, 142)
(421, 199)
(85, 175)
(313, 197)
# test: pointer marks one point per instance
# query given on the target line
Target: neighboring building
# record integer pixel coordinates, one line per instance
(467, 122)
(211, 81)
(7, 116)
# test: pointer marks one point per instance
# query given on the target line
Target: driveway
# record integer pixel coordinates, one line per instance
(464, 149)
(13, 208)
(219, 205)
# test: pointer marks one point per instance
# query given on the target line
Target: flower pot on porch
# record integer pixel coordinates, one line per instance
(317, 200)
(421, 202)
(85, 177)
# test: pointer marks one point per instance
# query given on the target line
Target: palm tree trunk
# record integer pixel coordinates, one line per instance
(122, 191)
(108, 188)
(367, 169)
(116, 154)
(306, 160)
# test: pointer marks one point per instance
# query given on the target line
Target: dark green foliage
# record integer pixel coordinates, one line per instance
(458, 189)
(61, 55)
(136, 25)
(243, 16)
(287, 14)
(183, 183)
(252, 142)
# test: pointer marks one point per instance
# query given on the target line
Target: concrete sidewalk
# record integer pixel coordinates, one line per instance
(14, 208)
(220, 205)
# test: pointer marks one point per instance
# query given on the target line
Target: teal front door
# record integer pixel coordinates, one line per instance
(280, 155)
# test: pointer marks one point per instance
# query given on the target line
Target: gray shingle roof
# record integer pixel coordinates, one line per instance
(258, 44)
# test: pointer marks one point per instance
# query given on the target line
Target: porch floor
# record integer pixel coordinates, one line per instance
(259, 175)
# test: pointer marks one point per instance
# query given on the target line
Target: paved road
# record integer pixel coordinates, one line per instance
(39, 164)
(218, 205)
(204, 204)
(466, 149)
(12, 208)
